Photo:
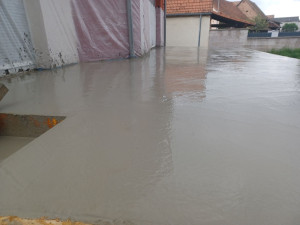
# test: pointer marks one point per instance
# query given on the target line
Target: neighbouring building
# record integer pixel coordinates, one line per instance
(284, 20)
(53, 33)
(189, 22)
(251, 11)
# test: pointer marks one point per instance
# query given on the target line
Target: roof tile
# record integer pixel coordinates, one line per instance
(188, 6)
(229, 10)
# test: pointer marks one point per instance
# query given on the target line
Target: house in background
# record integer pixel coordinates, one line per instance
(251, 10)
(189, 22)
(284, 20)
(227, 15)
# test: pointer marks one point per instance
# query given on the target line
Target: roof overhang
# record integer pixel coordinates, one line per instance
(230, 21)
(189, 14)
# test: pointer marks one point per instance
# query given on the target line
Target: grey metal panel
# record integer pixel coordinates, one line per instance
(265, 34)
(16, 49)
(289, 34)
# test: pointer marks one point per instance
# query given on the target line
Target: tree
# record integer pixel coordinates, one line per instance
(261, 24)
(289, 27)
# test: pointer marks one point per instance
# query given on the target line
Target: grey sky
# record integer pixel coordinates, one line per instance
(280, 8)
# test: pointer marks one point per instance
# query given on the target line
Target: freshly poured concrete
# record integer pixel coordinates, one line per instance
(186, 137)
(9, 145)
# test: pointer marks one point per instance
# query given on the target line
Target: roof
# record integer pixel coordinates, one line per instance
(254, 7)
(273, 24)
(236, 2)
(287, 19)
(188, 6)
(229, 10)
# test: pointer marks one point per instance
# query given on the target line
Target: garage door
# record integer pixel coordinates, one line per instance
(16, 50)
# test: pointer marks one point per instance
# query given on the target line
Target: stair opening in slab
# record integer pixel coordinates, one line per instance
(16, 131)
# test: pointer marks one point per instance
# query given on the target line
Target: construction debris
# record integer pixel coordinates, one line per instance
(12, 220)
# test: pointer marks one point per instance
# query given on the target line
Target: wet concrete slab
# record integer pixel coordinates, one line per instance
(9, 145)
(182, 136)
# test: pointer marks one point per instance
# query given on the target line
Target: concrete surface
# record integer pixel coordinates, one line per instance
(228, 37)
(186, 137)
(267, 44)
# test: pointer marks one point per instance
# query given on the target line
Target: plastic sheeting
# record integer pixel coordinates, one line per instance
(102, 28)
(16, 49)
(65, 32)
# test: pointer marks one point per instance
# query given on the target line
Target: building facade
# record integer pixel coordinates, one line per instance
(49, 34)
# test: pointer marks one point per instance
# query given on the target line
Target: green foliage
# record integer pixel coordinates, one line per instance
(289, 27)
(293, 53)
(261, 24)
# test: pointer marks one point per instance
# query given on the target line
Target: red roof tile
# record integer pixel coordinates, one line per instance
(229, 10)
(188, 6)
(226, 9)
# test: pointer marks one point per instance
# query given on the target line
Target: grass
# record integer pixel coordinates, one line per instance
(293, 53)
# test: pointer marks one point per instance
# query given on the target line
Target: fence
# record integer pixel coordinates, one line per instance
(250, 35)
(289, 34)
(238, 38)
(280, 34)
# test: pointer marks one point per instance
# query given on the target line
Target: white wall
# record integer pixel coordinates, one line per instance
(60, 31)
(228, 37)
(152, 19)
(266, 44)
(205, 27)
(159, 27)
(147, 25)
(239, 38)
(53, 32)
(184, 31)
(38, 33)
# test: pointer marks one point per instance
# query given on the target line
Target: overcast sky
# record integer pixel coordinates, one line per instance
(279, 8)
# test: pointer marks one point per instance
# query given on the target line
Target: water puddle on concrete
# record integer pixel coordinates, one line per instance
(180, 136)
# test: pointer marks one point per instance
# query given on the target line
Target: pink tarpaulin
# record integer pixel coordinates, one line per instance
(55, 33)
(102, 29)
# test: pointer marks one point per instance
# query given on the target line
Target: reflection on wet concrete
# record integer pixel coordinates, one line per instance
(186, 78)
(177, 137)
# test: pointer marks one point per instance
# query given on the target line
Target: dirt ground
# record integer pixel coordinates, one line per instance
(11, 220)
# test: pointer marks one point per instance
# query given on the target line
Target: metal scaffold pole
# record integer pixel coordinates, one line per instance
(130, 29)
(165, 22)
